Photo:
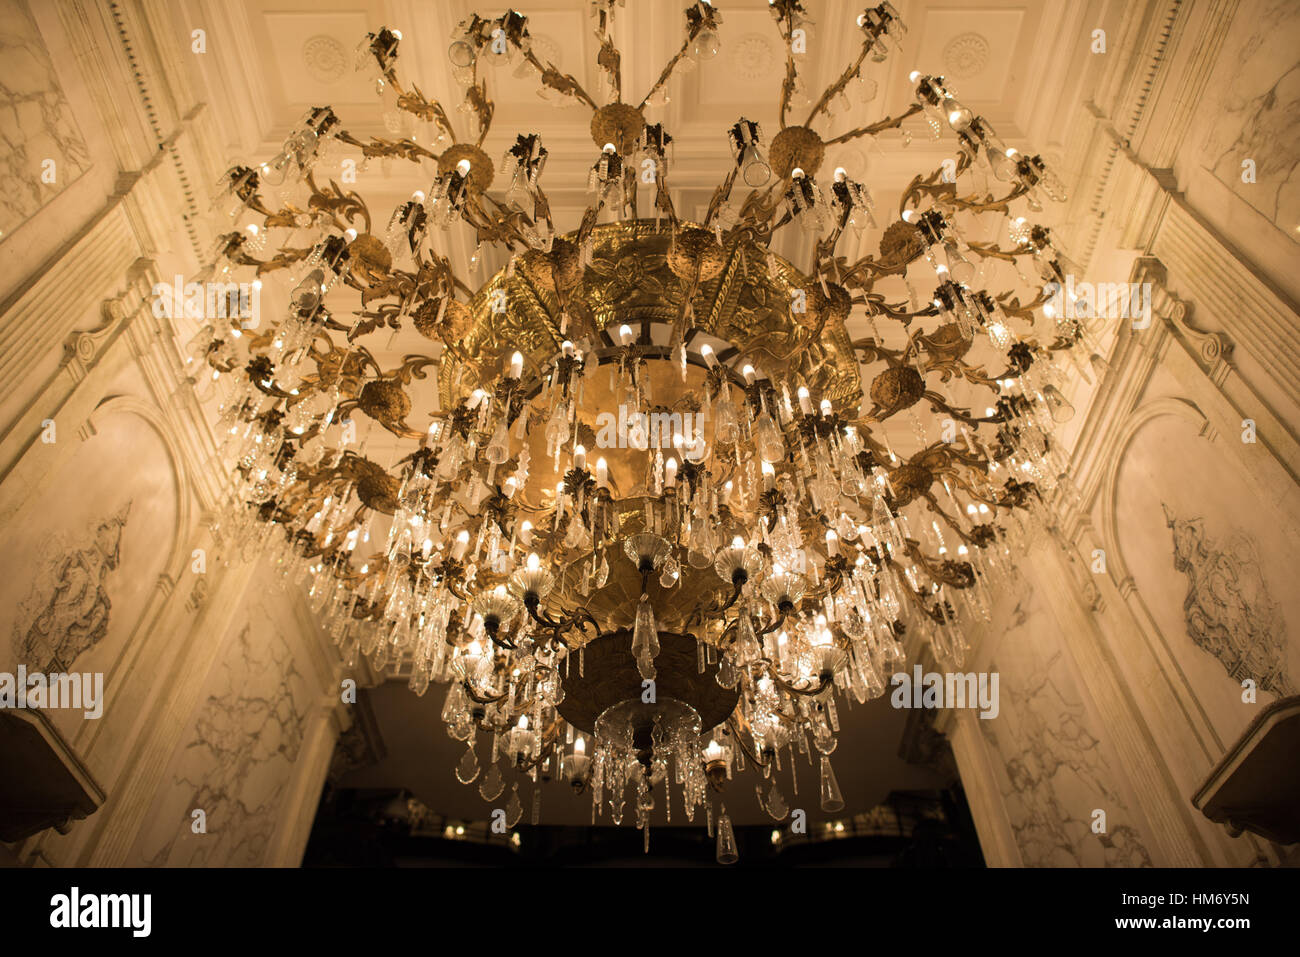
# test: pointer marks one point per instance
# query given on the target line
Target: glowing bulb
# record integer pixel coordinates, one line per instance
(463, 167)
(534, 562)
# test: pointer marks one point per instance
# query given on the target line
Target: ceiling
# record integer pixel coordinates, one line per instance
(1008, 61)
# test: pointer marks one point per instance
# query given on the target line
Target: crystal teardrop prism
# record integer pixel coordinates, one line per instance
(832, 800)
(493, 783)
(515, 809)
(727, 853)
(467, 770)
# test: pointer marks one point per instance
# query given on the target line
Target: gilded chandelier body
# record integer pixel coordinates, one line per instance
(662, 525)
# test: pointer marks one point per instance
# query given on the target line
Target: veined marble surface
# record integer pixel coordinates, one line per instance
(1252, 111)
(236, 760)
(1054, 771)
(36, 122)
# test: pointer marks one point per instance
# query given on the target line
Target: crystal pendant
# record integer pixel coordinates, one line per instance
(645, 638)
(493, 783)
(774, 804)
(832, 800)
(767, 437)
(498, 449)
(468, 768)
(727, 853)
(515, 809)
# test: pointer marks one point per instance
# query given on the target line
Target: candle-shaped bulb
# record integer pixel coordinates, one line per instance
(534, 562)
(670, 473)
(805, 401)
(516, 365)
(602, 473)
(748, 373)
(624, 334)
(710, 359)
(526, 532)
(579, 457)
(769, 477)
(462, 543)
(832, 542)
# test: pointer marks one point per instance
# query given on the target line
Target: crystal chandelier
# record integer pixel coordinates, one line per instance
(669, 518)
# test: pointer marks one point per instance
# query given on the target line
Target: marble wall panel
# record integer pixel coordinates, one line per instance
(1213, 562)
(36, 122)
(1051, 763)
(239, 753)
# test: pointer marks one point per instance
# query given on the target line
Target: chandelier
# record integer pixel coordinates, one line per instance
(669, 518)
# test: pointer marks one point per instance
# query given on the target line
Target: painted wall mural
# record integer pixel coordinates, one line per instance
(237, 758)
(81, 571)
(1228, 609)
(36, 123)
(1211, 556)
(1053, 770)
(67, 611)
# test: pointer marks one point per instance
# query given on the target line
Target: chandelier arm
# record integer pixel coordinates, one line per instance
(664, 74)
(777, 623)
(945, 195)
(889, 123)
(561, 82)
(940, 404)
(721, 195)
(787, 684)
(578, 618)
(542, 755)
(949, 520)
(416, 103)
(740, 741)
(374, 146)
(838, 86)
(610, 60)
(993, 251)
(787, 85)
(469, 690)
